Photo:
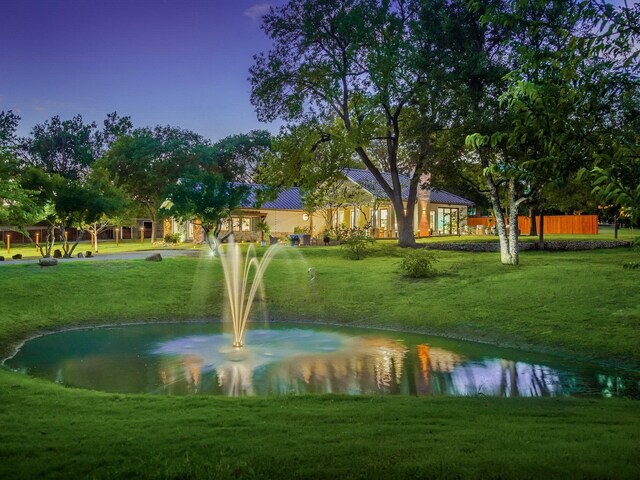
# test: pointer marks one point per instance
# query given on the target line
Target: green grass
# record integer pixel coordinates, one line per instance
(575, 303)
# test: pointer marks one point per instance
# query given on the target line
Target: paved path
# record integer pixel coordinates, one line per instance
(114, 256)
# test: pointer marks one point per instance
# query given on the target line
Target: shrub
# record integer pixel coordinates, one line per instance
(172, 238)
(419, 263)
(356, 243)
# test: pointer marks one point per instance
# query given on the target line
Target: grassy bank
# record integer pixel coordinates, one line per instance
(580, 303)
(577, 303)
(55, 433)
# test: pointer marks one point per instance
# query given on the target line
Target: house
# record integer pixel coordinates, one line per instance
(359, 201)
(437, 212)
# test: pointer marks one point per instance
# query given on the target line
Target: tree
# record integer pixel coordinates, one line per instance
(68, 204)
(245, 151)
(207, 192)
(18, 207)
(147, 162)
(118, 208)
(353, 65)
(62, 147)
(580, 100)
(561, 96)
(59, 157)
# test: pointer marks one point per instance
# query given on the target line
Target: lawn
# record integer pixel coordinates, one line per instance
(580, 304)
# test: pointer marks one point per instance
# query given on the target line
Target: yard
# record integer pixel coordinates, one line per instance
(580, 304)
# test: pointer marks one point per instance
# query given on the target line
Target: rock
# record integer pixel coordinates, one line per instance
(156, 257)
(17, 256)
(57, 254)
(1, 258)
(89, 254)
(47, 262)
(80, 255)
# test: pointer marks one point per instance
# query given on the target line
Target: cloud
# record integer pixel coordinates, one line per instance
(256, 12)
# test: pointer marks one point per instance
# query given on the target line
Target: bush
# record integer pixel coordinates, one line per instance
(172, 238)
(356, 243)
(419, 263)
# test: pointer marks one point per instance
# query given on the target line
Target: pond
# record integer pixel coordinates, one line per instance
(290, 359)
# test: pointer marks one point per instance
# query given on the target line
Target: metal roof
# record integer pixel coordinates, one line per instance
(366, 180)
(286, 200)
(291, 199)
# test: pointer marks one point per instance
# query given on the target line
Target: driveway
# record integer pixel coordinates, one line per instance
(115, 256)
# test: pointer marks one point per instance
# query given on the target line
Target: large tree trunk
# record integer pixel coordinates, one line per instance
(406, 236)
(153, 228)
(95, 237)
(533, 231)
(514, 229)
(509, 254)
(615, 227)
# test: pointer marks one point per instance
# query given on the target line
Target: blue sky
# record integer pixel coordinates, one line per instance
(178, 62)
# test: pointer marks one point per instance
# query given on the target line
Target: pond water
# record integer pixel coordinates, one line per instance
(285, 359)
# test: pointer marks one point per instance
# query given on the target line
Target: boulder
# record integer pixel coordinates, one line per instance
(80, 255)
(47, 262)
(1, 258)
(57, 254)
(156, 257)
(17, 256)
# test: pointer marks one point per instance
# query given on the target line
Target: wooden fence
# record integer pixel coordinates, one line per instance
(572, 224)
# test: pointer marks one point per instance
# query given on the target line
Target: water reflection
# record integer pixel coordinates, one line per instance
(286, 361)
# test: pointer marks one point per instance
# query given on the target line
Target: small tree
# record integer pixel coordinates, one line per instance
(264, 228)
(206, 198)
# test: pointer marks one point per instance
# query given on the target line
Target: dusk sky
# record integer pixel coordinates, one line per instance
(178, 62)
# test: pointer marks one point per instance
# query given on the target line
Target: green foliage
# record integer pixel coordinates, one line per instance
(172, 238)
(356, 80)
(147, 162)
(356, 243)
(419, 263)
(263, 226)
(243, 153)
(64, 147)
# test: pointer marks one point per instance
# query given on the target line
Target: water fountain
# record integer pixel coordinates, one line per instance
(243, 279)
(284, 359)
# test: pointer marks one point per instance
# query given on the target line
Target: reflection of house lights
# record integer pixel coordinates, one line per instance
(423, 356)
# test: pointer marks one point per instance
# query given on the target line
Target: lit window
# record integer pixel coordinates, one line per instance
(384, 218)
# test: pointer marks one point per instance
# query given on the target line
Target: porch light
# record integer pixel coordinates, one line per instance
(305, 216)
